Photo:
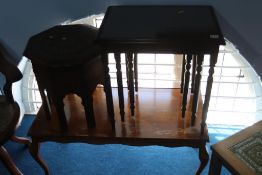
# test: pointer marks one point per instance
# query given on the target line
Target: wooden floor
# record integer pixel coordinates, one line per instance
(157, 120)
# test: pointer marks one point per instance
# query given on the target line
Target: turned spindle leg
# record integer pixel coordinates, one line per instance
(136, 72)
(183, 73)
(131, 83)
(213, 61)
(197, 88)
(186, 84)
(120, 86)
(193, 74)
(108, 91)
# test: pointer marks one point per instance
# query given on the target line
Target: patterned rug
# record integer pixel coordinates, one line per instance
(250, 151)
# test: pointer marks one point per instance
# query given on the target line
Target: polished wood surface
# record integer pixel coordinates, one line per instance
(157, 121)
(222, 155)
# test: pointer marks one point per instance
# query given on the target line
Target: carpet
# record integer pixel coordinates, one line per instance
(111, 159)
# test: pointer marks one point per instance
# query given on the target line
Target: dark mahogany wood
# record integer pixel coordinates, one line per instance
(66, 60)
(9, 110)
(193, 73)
(108, 91)
(193, 30)
(120, 85)
(187, 30)
(8, 162)
(197, 77)
(130, 74)
(34, 151)
(183, 29)
(186, 84)
(183, 73)
(213, 61)
(203, 157)
(135, 72)
(157, 121)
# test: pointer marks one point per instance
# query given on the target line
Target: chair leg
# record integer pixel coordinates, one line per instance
(8, 162)
(21, 140)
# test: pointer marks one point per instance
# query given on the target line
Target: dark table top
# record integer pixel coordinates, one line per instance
(166, 28)
(63, 45)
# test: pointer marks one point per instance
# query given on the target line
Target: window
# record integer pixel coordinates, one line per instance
(30, 93)
(236, 93)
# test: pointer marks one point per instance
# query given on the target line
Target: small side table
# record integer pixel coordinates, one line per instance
(188, 30)
(65, 60)
(240, 154)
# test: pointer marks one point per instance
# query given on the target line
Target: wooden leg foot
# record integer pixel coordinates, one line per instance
(8, 162)
(21, 140)
(34, 151)
(203, 157)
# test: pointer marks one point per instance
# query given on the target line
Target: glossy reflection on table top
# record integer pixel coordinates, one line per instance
(157, 116)
(168, 24)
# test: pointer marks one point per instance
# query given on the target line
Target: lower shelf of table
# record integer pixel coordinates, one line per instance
(157, 121)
